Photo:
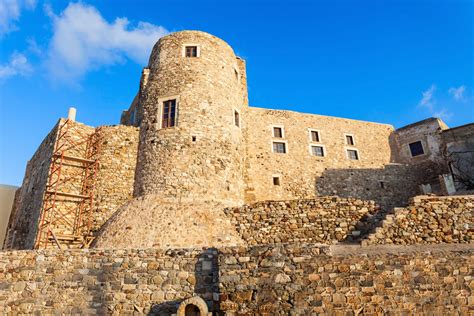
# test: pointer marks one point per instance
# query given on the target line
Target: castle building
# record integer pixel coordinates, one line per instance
(190, 146)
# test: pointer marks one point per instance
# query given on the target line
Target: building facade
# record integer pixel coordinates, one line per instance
(191, 141)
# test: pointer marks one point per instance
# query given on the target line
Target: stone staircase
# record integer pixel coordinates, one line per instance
(369, 225)
(397, 212)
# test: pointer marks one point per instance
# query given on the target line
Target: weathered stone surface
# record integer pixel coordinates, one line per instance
(417, 281)
(427, 220)
(323, 219)
(152, 221)
(113, 182)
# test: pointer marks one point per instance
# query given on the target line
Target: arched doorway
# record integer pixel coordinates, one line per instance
(193, 306)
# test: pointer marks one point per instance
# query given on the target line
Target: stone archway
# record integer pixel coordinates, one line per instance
(192, 307)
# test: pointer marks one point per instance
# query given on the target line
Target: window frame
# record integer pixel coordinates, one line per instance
(317, 145)
(310, 135)
(276, 176)
(239, 125)
(347, 149)
(280, 141)
(282, 131)
(422, 149)
(198, 50)
(352, 137)
(161, 102)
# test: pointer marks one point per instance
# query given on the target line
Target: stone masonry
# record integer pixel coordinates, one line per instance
(198, 198)
(296, 279)
(428, 220)
(220, 152)
(323, 220)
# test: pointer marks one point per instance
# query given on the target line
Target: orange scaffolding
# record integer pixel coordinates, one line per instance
(66, 213)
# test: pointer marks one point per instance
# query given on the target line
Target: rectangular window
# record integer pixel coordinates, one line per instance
(237, 118)
(279, 147)
(169, 114)
(317, 151)
(350, 140)
(315, 136)
(352, 154)
(191, 51)
(277, 132)
(276, 180)
(416, 149)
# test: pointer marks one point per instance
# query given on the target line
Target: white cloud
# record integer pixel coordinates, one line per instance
(18, 65)
(457, 93)
(443, 114)
(83, 40)
(428, 100)
(10, 11)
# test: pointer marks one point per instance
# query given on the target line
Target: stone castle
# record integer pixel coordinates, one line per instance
(193, 166)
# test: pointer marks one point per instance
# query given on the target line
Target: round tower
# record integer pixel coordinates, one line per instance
(191, 137)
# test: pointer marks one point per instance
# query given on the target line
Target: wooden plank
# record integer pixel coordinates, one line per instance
(77, 196)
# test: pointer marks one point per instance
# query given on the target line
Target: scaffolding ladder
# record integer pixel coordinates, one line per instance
(68, 202)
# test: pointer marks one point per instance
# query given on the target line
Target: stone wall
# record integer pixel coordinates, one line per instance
(200, 157)
(303, 175)
(459, 144)
(266, 280)
(118, 158)
(113, 182)
(102, 282)
(325, 220)
(23, 223)
(296, 280)
(428, 219)
(390, 186)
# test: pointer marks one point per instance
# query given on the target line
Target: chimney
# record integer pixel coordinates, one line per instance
(71, 114)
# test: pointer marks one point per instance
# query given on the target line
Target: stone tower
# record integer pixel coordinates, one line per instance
(191, 108)
(192, 119)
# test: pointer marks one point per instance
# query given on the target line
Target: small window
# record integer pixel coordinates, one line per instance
(276, 180)
(236, 118)
(350, 140)
(315, 136)
(317, 151)
(191, 51)
(193, 138)
(277, 132)
(236, 74)
(279, 147)
(352, 154)
(416, 149)
(382, 185)
(169, 114)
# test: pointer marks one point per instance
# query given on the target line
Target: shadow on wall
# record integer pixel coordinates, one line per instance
(389, 187)
(206, 274)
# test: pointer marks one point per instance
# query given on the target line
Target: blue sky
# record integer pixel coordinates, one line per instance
(393, 62)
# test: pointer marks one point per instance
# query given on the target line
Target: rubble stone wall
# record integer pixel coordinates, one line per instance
(325, 220)
(118, 158)
(279, 279)
(114, 180)
(201, 157)
(428, 219)
(305, 280)
(303, 175)
(23, 223)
